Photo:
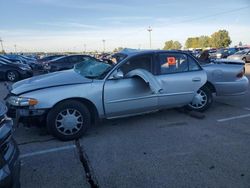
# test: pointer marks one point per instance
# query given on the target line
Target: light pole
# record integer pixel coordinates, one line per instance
(103, 45)
(150, 30)
(2, 44)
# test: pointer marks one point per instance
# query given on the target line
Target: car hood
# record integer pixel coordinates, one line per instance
(61, 78)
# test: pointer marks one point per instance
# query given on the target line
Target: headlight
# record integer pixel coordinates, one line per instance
(218, 55)
(21, 101)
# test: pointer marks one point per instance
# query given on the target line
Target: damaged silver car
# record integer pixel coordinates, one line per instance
(68, 102)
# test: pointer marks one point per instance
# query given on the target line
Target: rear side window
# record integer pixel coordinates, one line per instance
(59, 61)
(173, 63)
(73, 59)
(177, 63)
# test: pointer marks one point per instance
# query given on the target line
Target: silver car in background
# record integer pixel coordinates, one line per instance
(241, 55)
(139, 82)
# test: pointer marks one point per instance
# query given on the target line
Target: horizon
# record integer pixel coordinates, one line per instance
(59, 26)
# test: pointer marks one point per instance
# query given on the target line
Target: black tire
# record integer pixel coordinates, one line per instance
(206, 96)
(12, 76)
(61, 116)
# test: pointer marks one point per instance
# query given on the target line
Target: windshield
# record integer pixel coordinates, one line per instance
(92, 69)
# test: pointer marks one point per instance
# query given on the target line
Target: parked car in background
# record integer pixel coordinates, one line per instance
(223, 53)
(11, 71)
(7, 59)
(48, 58)
(143, 81)
(64, 62)
(9, 153)
(25, 60)
(241, 55)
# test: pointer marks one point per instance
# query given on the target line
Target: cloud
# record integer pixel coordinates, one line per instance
(79, 4)
(71, 25)
(126, 18)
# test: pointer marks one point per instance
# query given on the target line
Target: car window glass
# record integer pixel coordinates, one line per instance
(73, 59)
(173, 63)
(192, 65)
(142, 62)
(84, 58)
(60, 60)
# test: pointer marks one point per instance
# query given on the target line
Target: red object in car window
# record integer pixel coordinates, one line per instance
(171, 61)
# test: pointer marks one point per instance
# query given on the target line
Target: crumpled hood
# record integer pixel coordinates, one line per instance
(68, 77)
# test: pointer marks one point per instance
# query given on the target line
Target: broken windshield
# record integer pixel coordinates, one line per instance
(92, 69)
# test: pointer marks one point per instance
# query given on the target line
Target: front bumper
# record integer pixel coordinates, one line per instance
(25, 115)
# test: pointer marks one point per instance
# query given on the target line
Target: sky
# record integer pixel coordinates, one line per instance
(76, 25)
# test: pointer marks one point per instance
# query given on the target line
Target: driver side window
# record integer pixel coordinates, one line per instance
(140, 62)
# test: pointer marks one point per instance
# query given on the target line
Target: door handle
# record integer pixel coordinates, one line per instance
(196, 79)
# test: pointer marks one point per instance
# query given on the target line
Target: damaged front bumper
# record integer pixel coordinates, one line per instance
(25, 115)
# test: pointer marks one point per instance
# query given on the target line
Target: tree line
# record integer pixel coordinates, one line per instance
(219, 39)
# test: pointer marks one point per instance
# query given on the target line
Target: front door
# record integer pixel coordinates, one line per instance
(129, 95)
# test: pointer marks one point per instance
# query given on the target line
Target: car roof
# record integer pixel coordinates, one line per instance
(132, 52)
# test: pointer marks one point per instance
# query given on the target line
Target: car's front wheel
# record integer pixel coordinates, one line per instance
(202, 100)
(68, 120)
(12, 76)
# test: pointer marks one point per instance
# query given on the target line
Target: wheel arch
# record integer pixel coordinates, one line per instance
(11, 70)
(90, 105)
(210, 86)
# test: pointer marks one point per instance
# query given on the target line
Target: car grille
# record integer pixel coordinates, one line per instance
(4, 146)
(11, 112)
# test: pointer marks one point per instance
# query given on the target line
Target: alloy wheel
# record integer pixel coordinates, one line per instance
(69, 121)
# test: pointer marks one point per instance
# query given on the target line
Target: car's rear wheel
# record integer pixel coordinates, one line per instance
(12, 76)
(202, 100)
(68, 120)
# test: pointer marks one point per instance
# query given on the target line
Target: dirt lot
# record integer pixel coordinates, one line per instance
(164, 149)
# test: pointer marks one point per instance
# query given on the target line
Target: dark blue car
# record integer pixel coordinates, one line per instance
(9, 153)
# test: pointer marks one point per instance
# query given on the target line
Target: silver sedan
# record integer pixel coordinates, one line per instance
(138, 82)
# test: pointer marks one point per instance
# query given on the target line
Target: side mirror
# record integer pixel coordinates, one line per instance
(118, 75)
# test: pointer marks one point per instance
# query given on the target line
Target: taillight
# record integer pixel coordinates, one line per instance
(241, 74)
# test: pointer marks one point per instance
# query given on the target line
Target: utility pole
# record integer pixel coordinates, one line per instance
(1, 41)
(103, 45)
(150, 30)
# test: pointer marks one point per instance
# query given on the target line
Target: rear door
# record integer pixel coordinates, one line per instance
(180, 77)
